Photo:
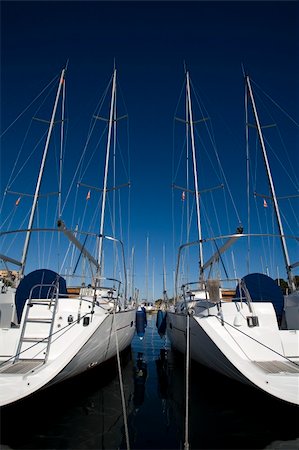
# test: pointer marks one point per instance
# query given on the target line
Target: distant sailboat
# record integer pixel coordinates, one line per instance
(161, 313)
(148, 304)
(48, 331)
(238, 334)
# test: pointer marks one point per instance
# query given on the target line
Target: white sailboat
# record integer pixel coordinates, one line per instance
(146, 303)
(230, 332)
(49, 331)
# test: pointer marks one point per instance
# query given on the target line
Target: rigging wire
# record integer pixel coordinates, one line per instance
(65, 329)
(10, 217)
(286, 220)
(44, 246)
(187, 379)
(122, 393)
(220, 319)
(212, 139)
(27, 107)
(260, 226)
(175, 172)
(15, 236)
(13, 176)
(95, 151)
(52, 238)
(295, 215)
(291, 166)
(296, 185)
(12, 180)
(38, 234)
(277, 128)
(294, 179)
(276, 104)
(127, 167)
(81, 160)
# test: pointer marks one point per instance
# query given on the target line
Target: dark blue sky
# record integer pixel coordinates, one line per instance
(150, 41)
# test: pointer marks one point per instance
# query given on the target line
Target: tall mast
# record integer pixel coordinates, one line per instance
(147, 268)
(39, 180)
(187, 169)
(195, 178)
(132, 271)
(272, 190)
(61, 149)
(164, 276)
(111, 118)
(153, 280)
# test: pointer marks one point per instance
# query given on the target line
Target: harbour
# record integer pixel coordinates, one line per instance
(149, 273)
(86, 412)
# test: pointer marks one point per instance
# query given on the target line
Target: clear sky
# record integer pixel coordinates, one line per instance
(149, 42)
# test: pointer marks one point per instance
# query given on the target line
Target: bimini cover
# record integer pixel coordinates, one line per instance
(263, 289)
(37, 277)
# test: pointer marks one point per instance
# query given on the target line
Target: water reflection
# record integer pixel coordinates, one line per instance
(228, 415)
(149, 424)
(83, 413)
(86, 412)
(140, 375)
(161, 365)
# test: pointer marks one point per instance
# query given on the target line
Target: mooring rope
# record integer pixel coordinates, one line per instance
(123, 401)
(186, 443)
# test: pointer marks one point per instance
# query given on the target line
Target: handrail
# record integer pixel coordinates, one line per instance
(240, 282)
(226, 236)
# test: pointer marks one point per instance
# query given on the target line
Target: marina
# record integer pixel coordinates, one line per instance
(149, 272)
(131, 373)
(86, 412)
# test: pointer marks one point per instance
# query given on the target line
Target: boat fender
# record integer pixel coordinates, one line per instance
(159, 318)
(145, 317)
(140, 323)
(161, 322)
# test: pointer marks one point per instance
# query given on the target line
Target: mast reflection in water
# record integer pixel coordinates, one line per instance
(86, 412)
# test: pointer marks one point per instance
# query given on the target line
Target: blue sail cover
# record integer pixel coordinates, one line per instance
(37, 277)
(263, 289)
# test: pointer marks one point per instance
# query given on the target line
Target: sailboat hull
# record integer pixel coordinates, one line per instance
(101, 346)
(203, 349)
(74, 350)
(258, 356)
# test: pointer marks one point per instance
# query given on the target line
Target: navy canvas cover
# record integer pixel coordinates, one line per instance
(37, 277)
(263, 289)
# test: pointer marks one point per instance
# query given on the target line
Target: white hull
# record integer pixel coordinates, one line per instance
(74, 348)
(263, 356)
(49, 332)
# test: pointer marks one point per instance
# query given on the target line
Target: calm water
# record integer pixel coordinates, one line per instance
(86, 412)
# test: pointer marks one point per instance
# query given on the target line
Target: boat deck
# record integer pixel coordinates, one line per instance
(278, 366)
(22, 366)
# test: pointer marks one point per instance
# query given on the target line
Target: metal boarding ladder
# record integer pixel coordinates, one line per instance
(41, 343)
